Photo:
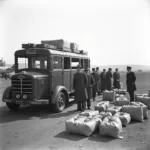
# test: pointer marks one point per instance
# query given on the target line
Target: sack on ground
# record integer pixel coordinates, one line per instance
(136, 112)
(143, 95)
(144, 100)
(109, 95)
(122, 100)
(105, 114)
(124, 117)
(89, 113)
(145, 109)
(102, 106)
(114, 109)
(111, 126)
(122, 91)
(83, 125)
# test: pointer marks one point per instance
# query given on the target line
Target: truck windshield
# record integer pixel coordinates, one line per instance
(38, 62)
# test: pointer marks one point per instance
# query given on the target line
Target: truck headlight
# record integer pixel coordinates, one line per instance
(17, 96)
(24, 96)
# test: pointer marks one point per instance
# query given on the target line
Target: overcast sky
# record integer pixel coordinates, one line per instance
(114, 32)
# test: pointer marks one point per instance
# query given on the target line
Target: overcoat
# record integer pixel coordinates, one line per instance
(91, 83)
(79, 85)
(103, 81)
(108, 80)
(116, 77)
(96, 78)
(131, 78)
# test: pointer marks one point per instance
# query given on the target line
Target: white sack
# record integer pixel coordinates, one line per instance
(102, 106)
(105, 114)
(114, 109)
(109, 95)
(136, 112)
(83, 125)
(124, 117)
(145, 109)
(111, 126)
(122, 100)
(89, 113)
(144, 100)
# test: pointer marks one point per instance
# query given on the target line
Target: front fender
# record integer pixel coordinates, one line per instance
(56, 91)
(7, 93)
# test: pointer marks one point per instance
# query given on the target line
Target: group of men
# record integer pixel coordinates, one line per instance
(86, 85)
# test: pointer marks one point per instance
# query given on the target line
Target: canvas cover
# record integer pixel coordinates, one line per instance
(111, 126)
(124, 117)
(136, 112)
(102, 106)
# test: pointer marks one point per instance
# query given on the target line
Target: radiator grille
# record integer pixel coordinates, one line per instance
(23, 86)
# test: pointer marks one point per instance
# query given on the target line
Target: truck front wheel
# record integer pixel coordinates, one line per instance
(60, 104)
(12, 106)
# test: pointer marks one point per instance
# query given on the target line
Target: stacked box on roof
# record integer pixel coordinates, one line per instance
(83, 52)
(74, 48)
(60, 44)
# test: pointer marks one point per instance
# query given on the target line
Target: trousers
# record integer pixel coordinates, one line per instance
(81, 105)
(88, 103)
(131, 96)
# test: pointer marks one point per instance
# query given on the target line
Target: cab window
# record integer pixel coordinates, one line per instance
(66, 62)
(86, 63)
(57, 62)
(74, 63)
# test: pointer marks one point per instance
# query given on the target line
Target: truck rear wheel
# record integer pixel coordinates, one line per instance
(60, 104)
(12, 106)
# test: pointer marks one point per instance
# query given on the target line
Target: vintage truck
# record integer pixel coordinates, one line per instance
(43, 75)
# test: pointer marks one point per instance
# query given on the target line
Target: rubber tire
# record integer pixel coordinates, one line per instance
(56, 108)
(12, 106)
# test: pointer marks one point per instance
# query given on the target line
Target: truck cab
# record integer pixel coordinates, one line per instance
(43, 75)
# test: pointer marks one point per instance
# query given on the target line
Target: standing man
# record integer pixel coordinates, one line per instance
(98, 83)
(131, 87)
(108, 79)
(79, 86)
(90, 84)
(116, 77)
(103, 80)
(94, 89)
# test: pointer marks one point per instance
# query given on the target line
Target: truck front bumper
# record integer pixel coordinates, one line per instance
(26, 102)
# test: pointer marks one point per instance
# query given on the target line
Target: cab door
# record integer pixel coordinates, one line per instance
(57, 77)
(67, 74)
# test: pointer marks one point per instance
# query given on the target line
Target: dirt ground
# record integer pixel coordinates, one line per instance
(36, 128)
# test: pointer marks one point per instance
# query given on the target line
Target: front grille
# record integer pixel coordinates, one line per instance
(23, 86)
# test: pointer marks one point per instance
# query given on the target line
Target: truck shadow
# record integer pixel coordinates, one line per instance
(30, 112)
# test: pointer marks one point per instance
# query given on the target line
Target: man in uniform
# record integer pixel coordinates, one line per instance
(94, 89)
(98, 83)
(79, 86)
(90, 84)
(103, 80)
(131, 78)
(116, 77)
(108, 79)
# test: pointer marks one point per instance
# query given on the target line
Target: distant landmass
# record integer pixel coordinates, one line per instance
(120, 67)
(123, 67)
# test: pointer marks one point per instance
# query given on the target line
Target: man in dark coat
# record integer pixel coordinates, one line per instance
(94, 88)
(103, 80)
(90, 84)
(131, 87)
(98, 83)
(116, 77)
(108, 79)
(79, 86)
